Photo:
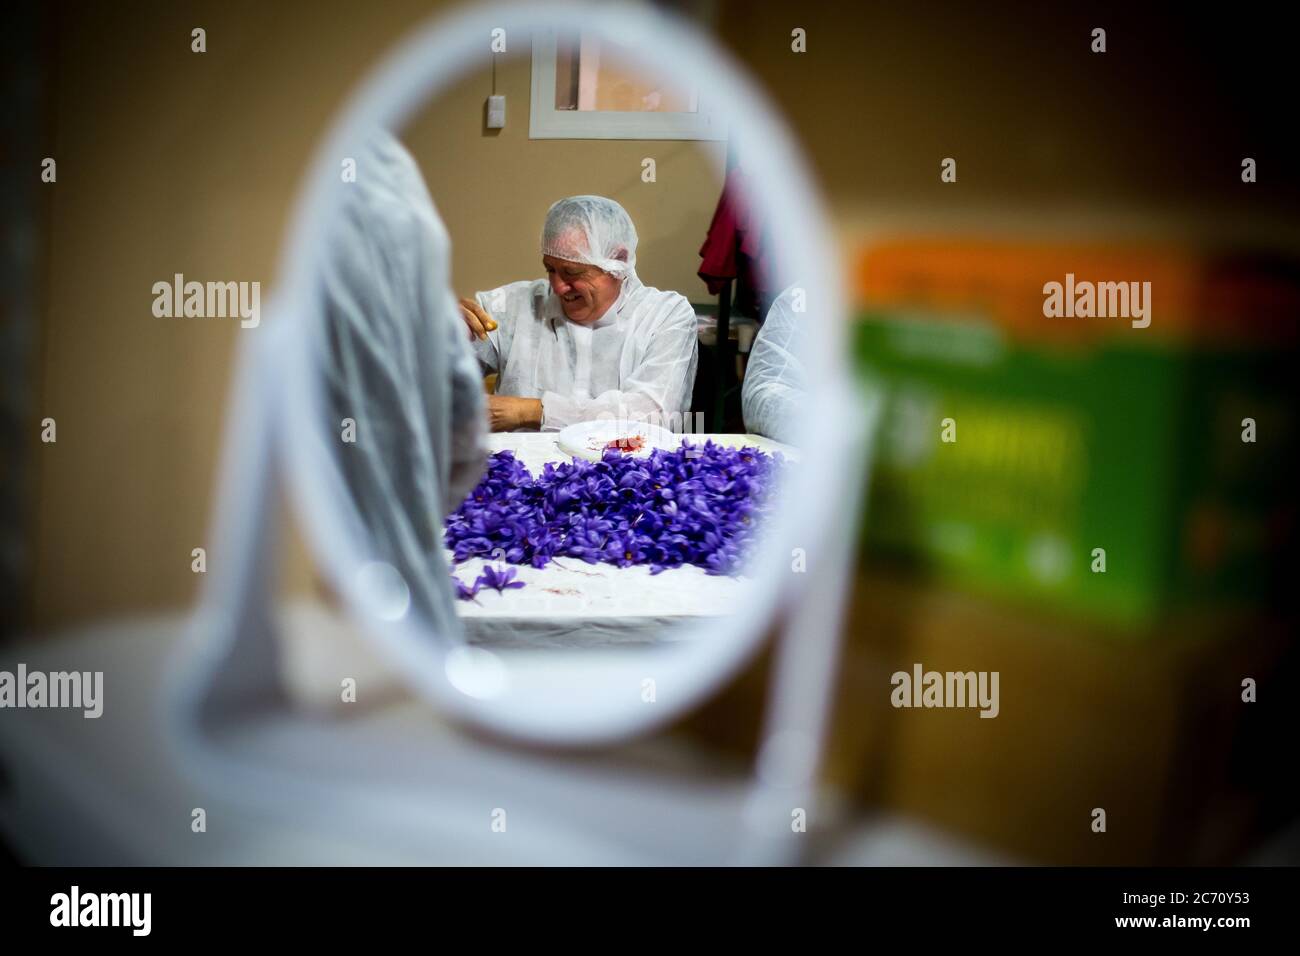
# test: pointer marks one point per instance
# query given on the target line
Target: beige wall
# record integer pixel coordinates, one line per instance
(493, 187)
(171, 161)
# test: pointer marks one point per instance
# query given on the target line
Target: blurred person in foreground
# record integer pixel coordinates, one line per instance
(397, 364)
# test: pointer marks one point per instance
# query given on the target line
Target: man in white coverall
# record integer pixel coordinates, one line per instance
(589, 341)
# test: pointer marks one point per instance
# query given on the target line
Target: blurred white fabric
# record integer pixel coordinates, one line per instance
(397, 365)
(776, 381)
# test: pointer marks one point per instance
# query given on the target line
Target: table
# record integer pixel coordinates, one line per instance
(110, 791)
(570, 603)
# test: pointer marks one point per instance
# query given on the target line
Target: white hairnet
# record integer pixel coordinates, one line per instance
(591, 229)
(398, 365)
(776, 382)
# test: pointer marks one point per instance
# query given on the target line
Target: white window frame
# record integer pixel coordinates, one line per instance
(546, 122)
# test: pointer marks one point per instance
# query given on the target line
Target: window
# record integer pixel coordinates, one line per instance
(583, 88)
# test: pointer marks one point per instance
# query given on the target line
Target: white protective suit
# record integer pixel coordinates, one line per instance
(397, 363)
(776, 382)
(636, 362)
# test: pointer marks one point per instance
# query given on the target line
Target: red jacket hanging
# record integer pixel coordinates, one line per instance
(735, 246)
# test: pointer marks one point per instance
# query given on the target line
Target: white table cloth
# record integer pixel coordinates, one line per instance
(570, 603)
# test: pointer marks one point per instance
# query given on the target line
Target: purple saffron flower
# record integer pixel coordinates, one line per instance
(499, 580)
(698, 504)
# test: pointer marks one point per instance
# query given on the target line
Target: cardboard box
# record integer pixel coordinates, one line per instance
(1082, 463)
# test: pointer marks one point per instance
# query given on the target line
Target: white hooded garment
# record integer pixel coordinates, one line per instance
(776, 382)
(398, 365)
(635, 362)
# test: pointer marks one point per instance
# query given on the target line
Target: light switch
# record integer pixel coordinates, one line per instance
(496, 117)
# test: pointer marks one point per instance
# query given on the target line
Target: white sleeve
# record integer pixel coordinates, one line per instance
(658, 390)
(775, 379)
(489, 351)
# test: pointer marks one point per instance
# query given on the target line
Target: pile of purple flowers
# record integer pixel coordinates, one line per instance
(698, 504)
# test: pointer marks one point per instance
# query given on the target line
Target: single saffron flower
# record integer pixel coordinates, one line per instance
(499, 580)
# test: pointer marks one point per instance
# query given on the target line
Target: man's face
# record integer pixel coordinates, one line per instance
(585, 291)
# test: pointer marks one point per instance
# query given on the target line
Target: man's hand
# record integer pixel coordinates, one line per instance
(508, 412)
(476, 319)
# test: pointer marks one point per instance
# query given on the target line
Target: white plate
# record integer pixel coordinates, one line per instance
(588, 439)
